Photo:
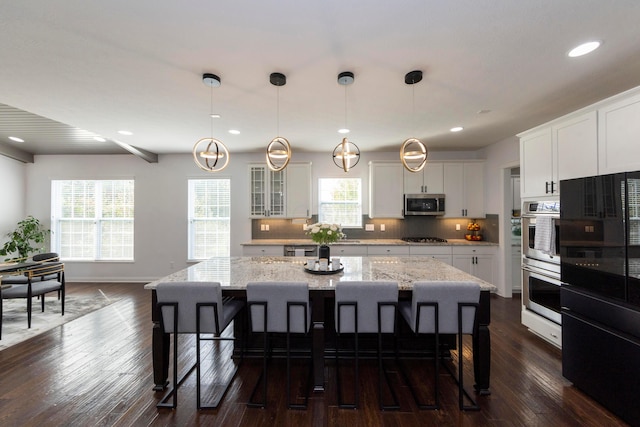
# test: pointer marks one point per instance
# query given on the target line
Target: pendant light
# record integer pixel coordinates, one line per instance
(413, 152)
(279, 149)
(210, 154)
(346, 154)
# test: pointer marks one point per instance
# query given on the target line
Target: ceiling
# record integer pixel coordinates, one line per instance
(75, 69)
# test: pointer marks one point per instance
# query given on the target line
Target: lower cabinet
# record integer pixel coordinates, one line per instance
(263, 250)
(441, 253)
(478, 261)
(389, 250)
(349, 250)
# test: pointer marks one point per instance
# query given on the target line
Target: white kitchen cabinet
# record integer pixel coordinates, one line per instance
(618, 136)
(441, 253)
(348, 250)
(385, 190)
(267, 192)
(565, 149)
(389, 250)
(464, 190)
(428, 180)
(263, 250)
(298, 188)
(478, 261)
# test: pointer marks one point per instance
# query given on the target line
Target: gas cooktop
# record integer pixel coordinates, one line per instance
(424, 240)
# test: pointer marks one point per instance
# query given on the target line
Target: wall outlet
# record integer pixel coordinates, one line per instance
(262, 227)
(369, 227)
(266, 227)
(304, 227)
(457, 227)
(382, 227)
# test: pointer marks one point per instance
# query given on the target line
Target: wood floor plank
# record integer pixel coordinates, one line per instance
(97, 370)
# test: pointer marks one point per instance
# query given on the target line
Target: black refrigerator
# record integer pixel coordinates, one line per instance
(600, 292)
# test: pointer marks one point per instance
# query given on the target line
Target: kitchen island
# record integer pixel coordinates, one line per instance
(235, 272)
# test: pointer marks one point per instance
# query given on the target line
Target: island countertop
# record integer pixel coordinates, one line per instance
(397, 242)
(235, 272)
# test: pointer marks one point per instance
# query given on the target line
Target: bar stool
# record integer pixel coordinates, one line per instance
(365, 307)
(442, 307)
(194, 308)
(279, 307)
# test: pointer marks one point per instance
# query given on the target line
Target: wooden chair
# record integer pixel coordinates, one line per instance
(42, 279)
(194, 308)
(365, 307)
(442, 307)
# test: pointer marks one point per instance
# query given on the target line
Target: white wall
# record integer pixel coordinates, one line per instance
(161, 202)
(500, 156)
(12, 195)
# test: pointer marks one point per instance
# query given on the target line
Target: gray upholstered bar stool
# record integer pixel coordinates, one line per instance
(194, 308)
(442, 307)
(279, 307)
(365, 307)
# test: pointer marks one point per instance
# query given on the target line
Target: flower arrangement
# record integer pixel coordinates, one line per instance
(325, 233)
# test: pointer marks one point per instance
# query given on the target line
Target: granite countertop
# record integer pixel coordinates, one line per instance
(371, 242)
(235, 272)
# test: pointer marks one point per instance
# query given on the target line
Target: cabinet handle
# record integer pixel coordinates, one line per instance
(546, 187)
(307, 213)
(462, 212)
(552, 190)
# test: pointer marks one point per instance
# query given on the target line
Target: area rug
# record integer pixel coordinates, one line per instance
(14, 315)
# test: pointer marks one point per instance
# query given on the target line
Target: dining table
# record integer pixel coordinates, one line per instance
(233, 273)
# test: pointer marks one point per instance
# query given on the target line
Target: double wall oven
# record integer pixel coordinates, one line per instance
(541, 259)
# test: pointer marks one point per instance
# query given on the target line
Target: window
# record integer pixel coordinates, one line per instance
(340, 201)
(209, 218)
(92, 220)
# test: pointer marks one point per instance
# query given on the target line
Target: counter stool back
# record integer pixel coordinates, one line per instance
(195, 308)
(279, 307)
(442, 307)
(365, 307)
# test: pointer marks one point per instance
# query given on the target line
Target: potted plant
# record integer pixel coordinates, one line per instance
(324, 234)
(25, 240)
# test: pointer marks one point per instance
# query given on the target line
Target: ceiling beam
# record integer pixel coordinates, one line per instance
(143, 154)
(15, 153)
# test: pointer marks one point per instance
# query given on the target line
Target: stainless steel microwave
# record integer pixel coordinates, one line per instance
(423, 204)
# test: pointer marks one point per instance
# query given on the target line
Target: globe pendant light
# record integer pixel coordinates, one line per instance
(279, 149)
(210, 154)
(413, 152)
(346, 154)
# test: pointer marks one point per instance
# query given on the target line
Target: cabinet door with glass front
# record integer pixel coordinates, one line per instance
(267, 190)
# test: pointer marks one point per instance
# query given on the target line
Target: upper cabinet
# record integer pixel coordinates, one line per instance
(385, 190)
(267, 192)
(282, 194)
(428, 180)
(565, 149)
(298, 190)
(464, 190)
(618, 136)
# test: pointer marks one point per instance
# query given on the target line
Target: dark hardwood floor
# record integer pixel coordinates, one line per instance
(96, 371)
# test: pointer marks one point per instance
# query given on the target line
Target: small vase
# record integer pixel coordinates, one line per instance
(324, 252)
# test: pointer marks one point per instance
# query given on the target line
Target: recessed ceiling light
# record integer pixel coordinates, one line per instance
(234, 132)
(16, 139)
(125, 132)
(343, 130)
(583, 49)
(456, 129)
(215, 116)
(99, 139)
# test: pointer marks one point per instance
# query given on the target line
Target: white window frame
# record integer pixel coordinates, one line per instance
(98, 220)
(224, 248)
(326, 186)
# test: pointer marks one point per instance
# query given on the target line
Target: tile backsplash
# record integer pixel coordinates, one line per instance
(394, 228)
